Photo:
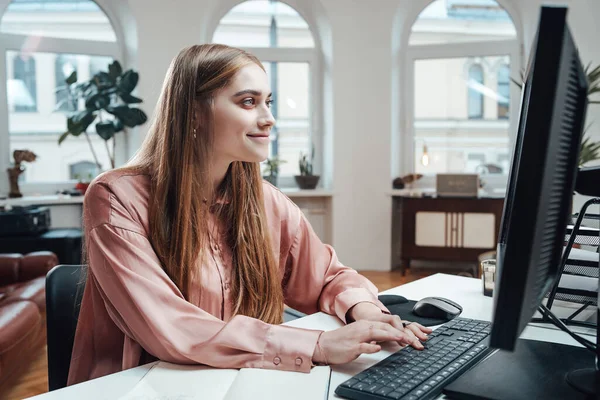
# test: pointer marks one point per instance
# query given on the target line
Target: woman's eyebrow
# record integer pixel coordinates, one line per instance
(250, 91)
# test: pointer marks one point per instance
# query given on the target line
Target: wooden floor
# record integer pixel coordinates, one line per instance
(34, 380)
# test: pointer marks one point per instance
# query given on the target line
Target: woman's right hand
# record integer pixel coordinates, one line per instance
(350, 341)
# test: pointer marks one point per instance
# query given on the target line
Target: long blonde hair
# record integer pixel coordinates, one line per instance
(177, 160)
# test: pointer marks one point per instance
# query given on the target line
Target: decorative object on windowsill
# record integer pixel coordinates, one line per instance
(271, 171)
(425, 156)
(306, 179)
(83, 184)
(589, 151)
(20, 156)
(401, 182)
(107, 98)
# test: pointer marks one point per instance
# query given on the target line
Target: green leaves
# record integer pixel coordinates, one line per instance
(107, 92)
(127, 82)
(115, 70)
(593, 77)
(97, 101)
(77, 124)
(589, 151)
(129, 99)
(129, 116)
(71, 79)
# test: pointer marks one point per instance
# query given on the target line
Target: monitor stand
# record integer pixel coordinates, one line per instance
(587, 380)
(534, 370)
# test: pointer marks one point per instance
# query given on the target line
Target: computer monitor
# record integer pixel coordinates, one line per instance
(542, 178)
(541, 184)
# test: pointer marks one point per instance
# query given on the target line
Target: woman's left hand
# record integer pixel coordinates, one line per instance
(370, 312)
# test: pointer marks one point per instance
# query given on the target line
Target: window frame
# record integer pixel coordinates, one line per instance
(33, 90)
(511, 48)
(17, 42)
(313, 57)
(471, 92)
(508, 83)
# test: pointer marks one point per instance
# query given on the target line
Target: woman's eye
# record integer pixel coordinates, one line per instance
(248, 102)
(269, 102)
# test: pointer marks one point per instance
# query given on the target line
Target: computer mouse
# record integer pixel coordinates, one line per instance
(437, 307)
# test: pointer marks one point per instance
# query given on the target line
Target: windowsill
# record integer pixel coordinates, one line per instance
(68, 199)
(53, 199)
(431, 192)
(295, 192)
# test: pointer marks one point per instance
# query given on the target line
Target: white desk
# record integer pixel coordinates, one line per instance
(465, 291)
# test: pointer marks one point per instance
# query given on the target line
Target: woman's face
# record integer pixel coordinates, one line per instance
(242, 117)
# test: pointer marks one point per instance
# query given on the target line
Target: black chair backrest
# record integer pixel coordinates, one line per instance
(63, 298)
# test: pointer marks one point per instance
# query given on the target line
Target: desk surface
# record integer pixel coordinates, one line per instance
(465, 291)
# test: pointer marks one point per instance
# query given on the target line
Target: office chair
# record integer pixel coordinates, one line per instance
(63, 298)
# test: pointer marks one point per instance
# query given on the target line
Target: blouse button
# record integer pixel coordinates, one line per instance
(276, 360)
(298, 361)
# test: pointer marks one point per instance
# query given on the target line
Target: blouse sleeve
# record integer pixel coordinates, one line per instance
(315, 280)
(149, 308)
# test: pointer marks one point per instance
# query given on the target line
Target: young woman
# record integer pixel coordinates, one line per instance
(191, 255)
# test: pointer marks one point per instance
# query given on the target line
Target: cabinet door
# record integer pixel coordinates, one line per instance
(430, 229)
(447, 229)
(479, 230)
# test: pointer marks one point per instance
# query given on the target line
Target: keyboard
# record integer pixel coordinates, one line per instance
(411, 374)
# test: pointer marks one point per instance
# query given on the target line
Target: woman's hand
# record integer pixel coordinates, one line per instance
(348, 342)
(370, 312)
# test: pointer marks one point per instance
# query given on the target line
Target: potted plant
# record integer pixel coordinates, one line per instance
(271, 170)
(589, 151)
(107, 99)
(83, 184)
(306, 179)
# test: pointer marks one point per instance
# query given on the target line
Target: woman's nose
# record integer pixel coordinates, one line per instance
(267, 120)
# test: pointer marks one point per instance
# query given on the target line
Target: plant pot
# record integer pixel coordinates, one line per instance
(272, 179)
(82, 187)
(307, 181)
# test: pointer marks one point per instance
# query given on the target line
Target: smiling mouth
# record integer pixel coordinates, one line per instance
(258, 135)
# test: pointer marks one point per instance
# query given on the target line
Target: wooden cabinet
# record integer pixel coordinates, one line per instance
(454, 229)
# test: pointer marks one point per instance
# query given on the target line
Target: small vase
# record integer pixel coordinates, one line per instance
(82, 187)
(307, 181)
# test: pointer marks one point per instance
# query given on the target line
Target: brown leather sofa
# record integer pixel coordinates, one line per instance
(22, 310)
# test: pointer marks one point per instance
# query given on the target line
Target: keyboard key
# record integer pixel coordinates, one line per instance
(372, 388)
(396, 395)
(360, 386)
(384, 390)
(350, 382)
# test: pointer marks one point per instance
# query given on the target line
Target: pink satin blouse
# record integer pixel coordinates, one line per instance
(130, 304)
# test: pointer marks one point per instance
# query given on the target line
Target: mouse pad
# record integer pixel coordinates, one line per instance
(402, 307)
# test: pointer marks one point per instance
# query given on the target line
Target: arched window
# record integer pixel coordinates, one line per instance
(503, 91)
(453, 52)
(279, 36)
(83, 170)
(82, 37)
(476, 89)
(23, 89)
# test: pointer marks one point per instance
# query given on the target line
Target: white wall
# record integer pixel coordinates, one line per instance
(362, 59)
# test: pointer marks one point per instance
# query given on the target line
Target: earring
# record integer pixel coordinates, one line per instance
(194, 133)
